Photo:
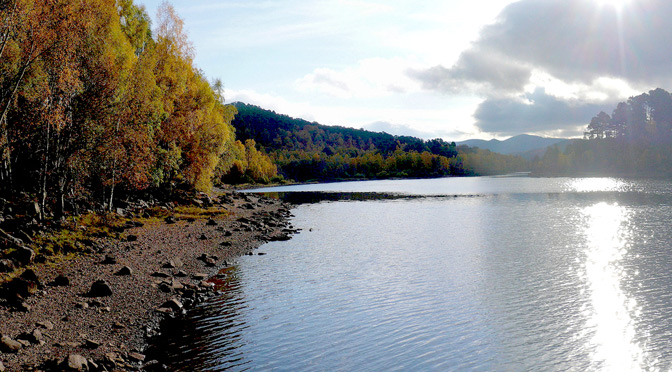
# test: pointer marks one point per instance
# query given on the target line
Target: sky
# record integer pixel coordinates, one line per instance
(448, 69)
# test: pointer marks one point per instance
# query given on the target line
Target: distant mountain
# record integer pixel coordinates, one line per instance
(517, 145)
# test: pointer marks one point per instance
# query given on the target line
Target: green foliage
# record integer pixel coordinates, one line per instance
(94, 105)
(310, 151)
(635, 140)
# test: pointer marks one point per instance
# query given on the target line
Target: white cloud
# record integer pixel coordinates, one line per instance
(374, 77)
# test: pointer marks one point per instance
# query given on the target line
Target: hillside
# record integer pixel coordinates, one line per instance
(517, 145)
(311, 151)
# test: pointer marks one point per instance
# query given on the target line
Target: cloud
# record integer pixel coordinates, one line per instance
(535, 112)
(372, 77)
(553, 64)
(576, 41)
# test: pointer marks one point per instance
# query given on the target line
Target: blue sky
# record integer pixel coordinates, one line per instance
(449, 69)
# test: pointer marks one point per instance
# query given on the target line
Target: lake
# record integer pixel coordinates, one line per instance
(468, 274)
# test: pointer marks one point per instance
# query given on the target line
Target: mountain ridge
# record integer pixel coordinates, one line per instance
(517, 145)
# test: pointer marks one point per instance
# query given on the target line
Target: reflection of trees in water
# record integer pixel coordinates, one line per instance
(308, 197)
(208, 337)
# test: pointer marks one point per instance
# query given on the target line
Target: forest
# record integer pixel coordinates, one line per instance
(635, 140)
(310, 151)
(95, 103)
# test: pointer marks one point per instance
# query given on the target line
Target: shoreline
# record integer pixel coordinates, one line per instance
(79, 326)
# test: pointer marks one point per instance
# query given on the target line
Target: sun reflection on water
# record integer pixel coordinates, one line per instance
(610, 311)
(596, 184)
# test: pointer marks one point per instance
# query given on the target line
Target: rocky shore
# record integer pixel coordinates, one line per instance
(97, 311)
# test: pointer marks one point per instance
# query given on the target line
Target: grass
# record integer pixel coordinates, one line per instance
(76, 235)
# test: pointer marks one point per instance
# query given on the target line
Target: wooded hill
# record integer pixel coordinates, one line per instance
(635, 140)
(303, 150)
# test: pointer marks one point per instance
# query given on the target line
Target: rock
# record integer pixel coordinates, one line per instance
(159, 274)
(154, 366)
(30, 275)
(61, 281)
(91, 344)
(124, 271)
(100, 288)
(261, 253)
(176, 285)
(8, 345)
(93, 366)
(109, 260)
(199, 276)
(170, 220)
(2, 367)
(20, 287)
(210, 262)
(81, 305)
(225, 244)
(203, 237)
(180, 274)
(211, 222)
(165, 287)
(33, 337)
(75, 362)
(173, 304)
(118, 325)
(132, 238)
(121, 212)
(45, 324)
(7, 265)
(137, 357)
(23, 255)
(23, 307)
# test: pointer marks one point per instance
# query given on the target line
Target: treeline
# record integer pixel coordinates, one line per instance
(303, 150)
(95, 103)
(635, 140)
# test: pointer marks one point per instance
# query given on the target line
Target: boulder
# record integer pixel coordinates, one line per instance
(75, 362)
(61, 281)
(8, 345)
(30, 275)
(20, 288)
(33, 337)
(136, 357)
(7, 265)
(211, 222)
(45, 324)
(91, 344)
(124, 271)
(100, 288)
(23, 255)
(173, 304)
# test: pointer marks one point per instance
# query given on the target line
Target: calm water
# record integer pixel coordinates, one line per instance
(505, 274)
